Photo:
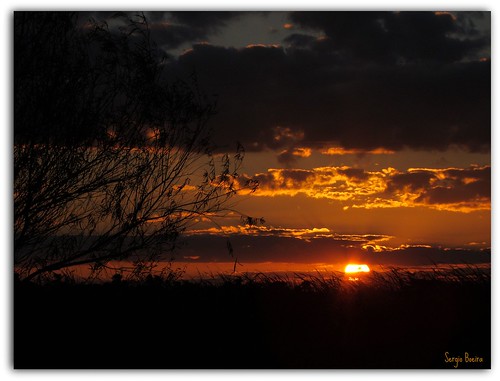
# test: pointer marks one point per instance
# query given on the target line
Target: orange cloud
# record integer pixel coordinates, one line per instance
(288, 26)
(452, 189)
(375, 248)
(306, 234)
(356, 151)
(301, 152)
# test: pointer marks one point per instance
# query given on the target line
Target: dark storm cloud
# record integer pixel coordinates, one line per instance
(172, 29)
(177, 28)
(300, 40)
(170, 36)
(363, 81)
(393, 36)
(207, 20)
(321, 100)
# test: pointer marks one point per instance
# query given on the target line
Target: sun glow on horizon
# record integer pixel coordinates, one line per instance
(355, 268)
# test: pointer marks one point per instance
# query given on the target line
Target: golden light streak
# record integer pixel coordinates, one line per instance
(306, 234)
(250, 46)
(356, 151)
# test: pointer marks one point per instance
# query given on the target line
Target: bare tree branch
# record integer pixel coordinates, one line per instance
(111, 160)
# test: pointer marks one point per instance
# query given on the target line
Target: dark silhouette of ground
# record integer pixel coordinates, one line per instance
(241, 324)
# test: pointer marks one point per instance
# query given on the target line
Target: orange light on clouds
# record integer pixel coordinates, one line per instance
(355, 151)
(288, 26)
(251, 46)
(302, 152)
(354, 268)
(463, 190)
(444, 13)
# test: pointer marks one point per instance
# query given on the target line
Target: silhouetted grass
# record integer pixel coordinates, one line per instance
(392, 319)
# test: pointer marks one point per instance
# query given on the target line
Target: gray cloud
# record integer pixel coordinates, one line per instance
(420, 106)
(391, 37)
(173, 29)
(371, 80)
(275, 248)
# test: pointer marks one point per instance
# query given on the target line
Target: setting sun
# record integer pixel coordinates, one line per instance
(353, 268)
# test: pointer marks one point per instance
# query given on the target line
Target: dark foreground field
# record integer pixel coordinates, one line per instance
(394, 321)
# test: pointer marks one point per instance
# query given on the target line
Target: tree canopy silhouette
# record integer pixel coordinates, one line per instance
(111, 159)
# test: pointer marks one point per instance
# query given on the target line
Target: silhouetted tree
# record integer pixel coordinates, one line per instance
(111, 159)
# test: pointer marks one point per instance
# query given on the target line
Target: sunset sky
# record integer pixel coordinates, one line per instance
(371, 136)
(369, 132)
